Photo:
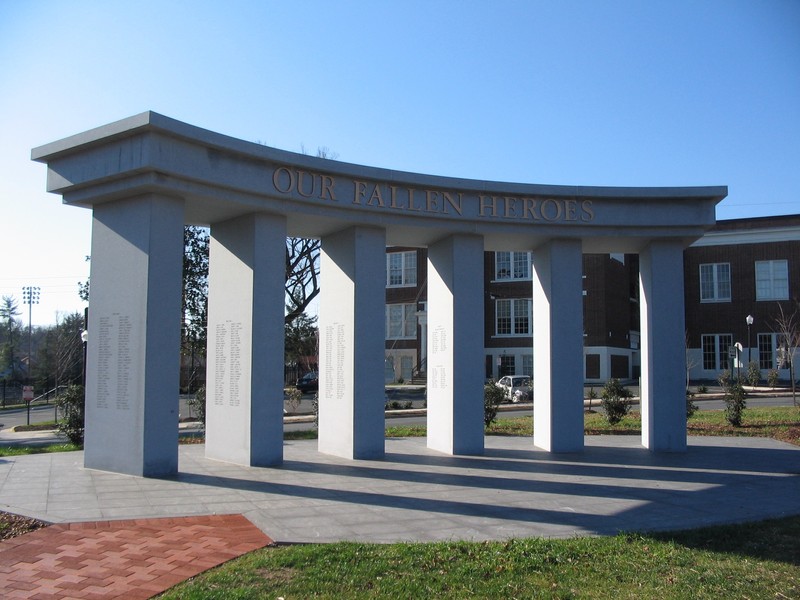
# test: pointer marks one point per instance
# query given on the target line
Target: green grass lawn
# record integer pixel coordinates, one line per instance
(779, 422)
(760, 560)
(754, 560)
(23, 450)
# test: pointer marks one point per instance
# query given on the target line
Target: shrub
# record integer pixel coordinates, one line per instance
(735, 404)
(493, 396)
(315, 408)
(293, 398)
(724, 379)
(615, 401)
(72, 404)
(691, 407)
(198, 404)
(702, 389)
(772, 378)
(753, 373)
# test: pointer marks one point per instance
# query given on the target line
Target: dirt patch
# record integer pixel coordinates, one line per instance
(13, 525)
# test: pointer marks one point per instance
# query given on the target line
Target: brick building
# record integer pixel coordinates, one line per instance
(740, 267)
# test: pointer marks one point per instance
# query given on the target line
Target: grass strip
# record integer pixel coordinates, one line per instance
(759, 560)
(778, 422)
(24, 450)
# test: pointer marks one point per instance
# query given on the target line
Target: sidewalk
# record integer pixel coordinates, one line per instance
(415, 494)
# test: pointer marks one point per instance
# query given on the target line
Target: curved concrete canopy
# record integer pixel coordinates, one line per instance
(221, 177)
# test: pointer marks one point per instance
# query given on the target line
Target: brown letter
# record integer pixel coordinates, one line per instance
(588, 213)
(550, 202)
(449, 200)
(570, 207)
(411, 200)
(327, 188)
(300, 184)
(276, 176)
(393, 201)
(511, 210)
(530, 209)
(484, 204)
(376, 195)
(430, 201)
(360, 191)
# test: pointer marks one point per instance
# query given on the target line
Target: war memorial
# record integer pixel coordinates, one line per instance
(147, 176)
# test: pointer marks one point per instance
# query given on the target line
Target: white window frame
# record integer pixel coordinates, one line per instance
(764, 340)
(527, 365)
(772, 279)
(512, 266)
(406, 267)
(519, 315)
(718, 293)
(401, 321)
(776, 351)
(721, 343)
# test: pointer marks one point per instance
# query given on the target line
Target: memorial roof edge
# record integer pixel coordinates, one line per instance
(156, 122)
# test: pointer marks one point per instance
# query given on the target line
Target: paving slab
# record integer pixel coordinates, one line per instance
(513, 490)
(121, 559)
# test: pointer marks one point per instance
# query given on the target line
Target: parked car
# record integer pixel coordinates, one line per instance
(308, 382)
(517, 387)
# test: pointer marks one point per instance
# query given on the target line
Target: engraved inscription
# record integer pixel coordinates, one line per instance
(228, 368)
(439, 340)
(114, 361)
(236, 364)
(124, 362)
(220, 369)
(103, 362)
(341, 348)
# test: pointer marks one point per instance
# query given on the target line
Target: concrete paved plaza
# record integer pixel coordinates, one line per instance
(416, 494)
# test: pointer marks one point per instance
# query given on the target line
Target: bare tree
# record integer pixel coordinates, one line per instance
(787, 326)
(302, 275)
(691, 360)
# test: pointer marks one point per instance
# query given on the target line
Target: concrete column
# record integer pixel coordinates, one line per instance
(455, 345)
(663, 391)
(244, 382)
(352, 334)
(132, 369)
(558, 346)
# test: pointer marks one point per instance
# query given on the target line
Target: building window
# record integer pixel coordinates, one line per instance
(507, 365)
(512, 265)
(766, 351)
(527, 365)
(401, 321)
(772, 280)
(715, 282)
(715, 351)
(401, 269)
(772, 351)
(406, 367)
(513, 316)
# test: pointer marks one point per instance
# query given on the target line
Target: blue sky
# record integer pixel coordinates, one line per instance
(639, 93)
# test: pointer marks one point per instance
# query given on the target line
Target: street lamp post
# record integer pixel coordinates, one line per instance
(84, 342)
(749, 320)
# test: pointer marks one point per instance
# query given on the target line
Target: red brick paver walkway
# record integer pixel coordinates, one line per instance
(121, 559)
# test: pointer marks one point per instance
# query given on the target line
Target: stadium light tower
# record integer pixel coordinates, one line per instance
(30, 296)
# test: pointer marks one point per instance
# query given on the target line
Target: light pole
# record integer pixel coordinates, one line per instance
(30, 296)
(749, 320)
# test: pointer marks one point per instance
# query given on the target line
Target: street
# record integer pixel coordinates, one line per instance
(402, 395)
